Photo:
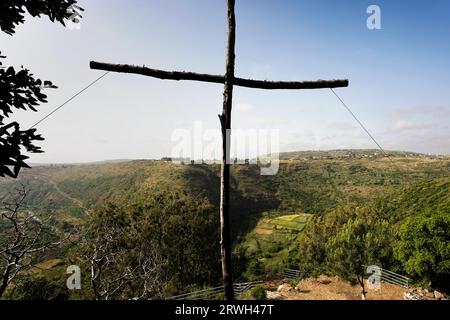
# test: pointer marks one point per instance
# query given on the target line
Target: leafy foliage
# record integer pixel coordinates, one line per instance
(24, 237)
(407, 232)
(121, 265)
(424, 248)
(258, 293)
(178, 234)
(360, 242)
(429, 195)
(186, 233)
(12, 12)
(19, 89)
(39, 289)
(345, 241)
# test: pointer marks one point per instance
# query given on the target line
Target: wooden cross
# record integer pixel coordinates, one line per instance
(229, 80)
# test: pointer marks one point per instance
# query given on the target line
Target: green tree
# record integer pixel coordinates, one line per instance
(312, 247)
(313, 239)
(19, 89)
(39, 289)
(424, 248)
(120, 264)
(24, 237)
(343, 241)
(155, 247)
(186, 232)
(361, 242)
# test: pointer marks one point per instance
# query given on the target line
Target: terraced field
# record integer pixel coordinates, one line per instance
(272, 240)
(291, 224)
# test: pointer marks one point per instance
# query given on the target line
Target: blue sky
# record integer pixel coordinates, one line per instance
(399, 75)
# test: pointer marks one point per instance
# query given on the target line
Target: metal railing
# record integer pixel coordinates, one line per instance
(394, 278)
(205, 294)
(213, 293)
(242, 287)
(391, 277)
(292, 274)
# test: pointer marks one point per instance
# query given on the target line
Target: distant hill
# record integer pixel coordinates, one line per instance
(424, 196)
(62, 164)
(302, 185)
(353, 153)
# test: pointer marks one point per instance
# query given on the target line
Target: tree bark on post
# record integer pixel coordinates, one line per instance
(216, 78)
(225, 122)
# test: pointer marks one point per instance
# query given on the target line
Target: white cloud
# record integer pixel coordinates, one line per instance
(408, 112)
(407, 125)
(244, 107)
(403, 125)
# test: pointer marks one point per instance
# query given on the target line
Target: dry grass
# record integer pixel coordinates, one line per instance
(333, 288)
(263, 231)
(46, 265)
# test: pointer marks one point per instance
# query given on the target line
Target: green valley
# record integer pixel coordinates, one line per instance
(273, 218)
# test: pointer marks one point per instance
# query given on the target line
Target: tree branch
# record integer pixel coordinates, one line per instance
(24, 238)
(248, 83)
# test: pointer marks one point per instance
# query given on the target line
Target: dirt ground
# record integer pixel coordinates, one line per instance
(333, 288)
(263, 231)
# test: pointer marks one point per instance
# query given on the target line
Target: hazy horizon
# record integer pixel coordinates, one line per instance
(281, 152)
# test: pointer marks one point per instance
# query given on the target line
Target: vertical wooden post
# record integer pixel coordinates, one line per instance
(225, 121)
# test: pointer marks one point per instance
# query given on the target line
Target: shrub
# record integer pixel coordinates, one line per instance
(424, 248)
(220, 296)
(40, 289)
(258, 293)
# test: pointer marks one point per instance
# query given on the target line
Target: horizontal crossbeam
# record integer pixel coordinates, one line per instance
(248, 83)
